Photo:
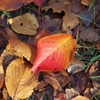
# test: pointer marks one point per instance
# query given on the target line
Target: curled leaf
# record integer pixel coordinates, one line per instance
(19, 80)
(54, 53)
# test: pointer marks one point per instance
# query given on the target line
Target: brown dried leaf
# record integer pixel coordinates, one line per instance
(76, 6)
(86, 2)
(69, 21)
(23, 49)
(75, 66)
(42, 34)
(88, 34)
(1, 75)
(19, 80)
(57, 6)
(80, 98)
(71, 93)
(10, 5)
(97, 45)
(50, 78)
(63, 78)
(25, 24)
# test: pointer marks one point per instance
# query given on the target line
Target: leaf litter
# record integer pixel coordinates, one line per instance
(18, 56)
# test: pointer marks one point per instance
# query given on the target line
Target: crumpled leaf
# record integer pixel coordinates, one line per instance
(25, 24)
(50, 78)
(54, 53)
(19, 80)
(10, 5)
(23, 49)
(80, 98)
(69, 21)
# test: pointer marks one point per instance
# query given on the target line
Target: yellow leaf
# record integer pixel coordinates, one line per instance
(19, 80)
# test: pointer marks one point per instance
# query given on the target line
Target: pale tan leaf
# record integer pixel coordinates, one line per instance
(19, 80)
(25, 24)
(23, 49)
(80, 98)
(69, 21)
(86, 2)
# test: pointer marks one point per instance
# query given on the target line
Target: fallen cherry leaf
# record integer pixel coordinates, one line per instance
(10, 5)
(19, 80)
(25, 24)
(39, 2)
(54, 53)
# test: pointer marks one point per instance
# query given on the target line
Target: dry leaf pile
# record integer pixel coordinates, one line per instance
(36, 50)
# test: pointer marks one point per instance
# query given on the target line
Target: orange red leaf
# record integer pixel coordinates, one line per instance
(54, 53)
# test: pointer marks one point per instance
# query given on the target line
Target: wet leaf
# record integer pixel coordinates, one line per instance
(10, 5)
(54, 53)
(19, 80)
(69, 21)
(25, 24)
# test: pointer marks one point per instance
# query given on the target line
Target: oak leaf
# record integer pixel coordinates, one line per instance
(25, 24)
(19, 80)
(54, 53)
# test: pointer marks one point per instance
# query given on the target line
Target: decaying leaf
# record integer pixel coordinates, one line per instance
(80, 98)
(25, 24)
(88, 34)
(63, 78)
(69, 21)
(50, 78)
(23, 49)
(19, 80)
(10, 5)
(54, 53)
